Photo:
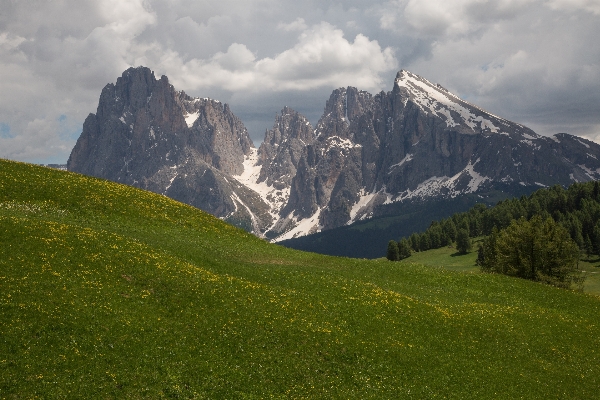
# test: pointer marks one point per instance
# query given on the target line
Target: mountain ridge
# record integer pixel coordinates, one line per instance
(417, 142)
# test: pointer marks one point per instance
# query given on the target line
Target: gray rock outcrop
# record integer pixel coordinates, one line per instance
(417, 142)
(147, 134)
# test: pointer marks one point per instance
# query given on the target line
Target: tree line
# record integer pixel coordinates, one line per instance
(566, 219)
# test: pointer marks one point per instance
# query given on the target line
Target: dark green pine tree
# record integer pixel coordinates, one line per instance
(404, 249)
(424, 242)
(539, 250)
(449, 230)
(393, 254)
(463, 241)
(464, 225)
(414, 241)
(486, 254)
(596, 238)
(589, 247)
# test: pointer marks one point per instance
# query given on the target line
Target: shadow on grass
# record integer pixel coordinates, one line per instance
(459, 254)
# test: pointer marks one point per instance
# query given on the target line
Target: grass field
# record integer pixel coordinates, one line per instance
(446, 257)
(449, 258)
(111, 292)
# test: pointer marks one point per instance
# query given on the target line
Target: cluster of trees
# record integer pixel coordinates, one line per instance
(571, 215)
(397, 251)
(537, 249)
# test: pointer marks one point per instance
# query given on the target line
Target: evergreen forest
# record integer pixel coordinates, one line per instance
(539, 237)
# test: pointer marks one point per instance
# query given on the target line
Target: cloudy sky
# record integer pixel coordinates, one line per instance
(536, 62)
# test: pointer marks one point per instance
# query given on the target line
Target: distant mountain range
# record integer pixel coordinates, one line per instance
(369, 155)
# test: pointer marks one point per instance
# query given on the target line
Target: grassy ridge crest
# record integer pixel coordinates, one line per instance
(109, 291)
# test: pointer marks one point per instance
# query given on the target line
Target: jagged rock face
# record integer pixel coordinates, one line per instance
(458, 148)
(420, 141)
(143, 123)
(147, 134)
(416, 142)
(282, 148)
(218, 134)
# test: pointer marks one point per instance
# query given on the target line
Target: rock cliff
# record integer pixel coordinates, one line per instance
(147, 134)
(415, 143)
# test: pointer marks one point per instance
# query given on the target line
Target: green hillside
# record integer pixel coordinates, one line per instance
(107, 291)
(449, 258)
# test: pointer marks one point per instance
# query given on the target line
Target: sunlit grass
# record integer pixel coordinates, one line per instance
(449, 258)
(111, 292)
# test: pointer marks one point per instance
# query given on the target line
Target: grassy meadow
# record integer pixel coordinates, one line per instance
(449, 258)
(107, 291)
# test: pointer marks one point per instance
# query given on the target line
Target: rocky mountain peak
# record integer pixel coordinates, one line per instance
(344, 106)
(147, 134)
(368, 152)
(457, 114)
(282, 148)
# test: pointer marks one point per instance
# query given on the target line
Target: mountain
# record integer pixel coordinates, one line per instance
(370, 156)
(417, 143)
(147, 134)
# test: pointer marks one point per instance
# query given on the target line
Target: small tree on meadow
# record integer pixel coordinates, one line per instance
(486, 254)
(463, 241)
(404, 249)
(393, 254)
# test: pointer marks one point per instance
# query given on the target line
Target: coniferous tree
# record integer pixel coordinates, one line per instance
(403, 249)
(449, 230)
(414, 241)
(538, 249)
(393, 253)
(486, 254)
(588, 247)
(596, 238)
(463, 241)
(464, 225)
(435, 236)
(424, 242)
(577, 209)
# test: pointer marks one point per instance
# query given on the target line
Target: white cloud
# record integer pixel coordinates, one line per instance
(533, 68)
(9, 41)
(298, 25)
(533, 61)
(50, 73)
(322, 57)
(592, 6)
(445, 20)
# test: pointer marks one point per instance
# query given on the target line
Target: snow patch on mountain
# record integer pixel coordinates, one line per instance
(406, 159)
(592, 174)
(191, 118)
(255, 225)
(303, 226)
(446, 186)
(170, 183)
(476, 178)
(275, 198)
(361, 205)
(583, 143)
(338, 142)
(438, 101)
